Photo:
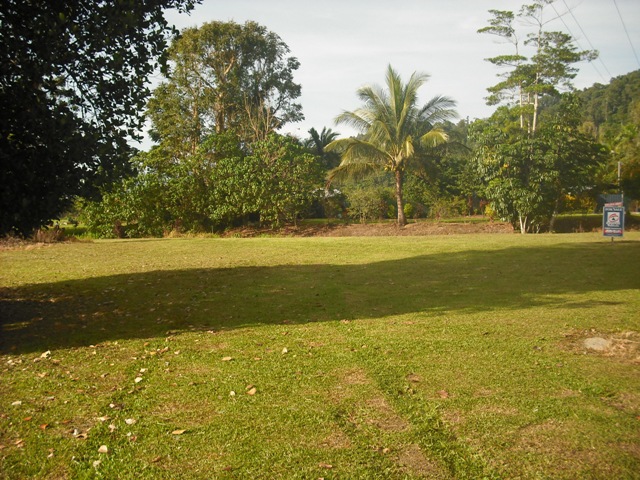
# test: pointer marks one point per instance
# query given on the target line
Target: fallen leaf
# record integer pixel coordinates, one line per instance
(78, 434)
(232, 393)
(103, 419)
(46, 354)
(178, 432)
(103, 449)
(16, 403)
(130, 421)
(19, 443)
(138, 379)
(227, 359)
(112, 428)
(156, 459)
(252, 391)
(43, 426)
(325, 465)
(285, 350)
(96, 463)
(443, 394)
(26, 419)
(142, 370)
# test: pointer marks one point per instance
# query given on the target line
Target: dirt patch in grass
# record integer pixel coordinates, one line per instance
(356, 376)
(413, 460)
(623, 346)
(385, 417)
(550, 441)
(337, 439)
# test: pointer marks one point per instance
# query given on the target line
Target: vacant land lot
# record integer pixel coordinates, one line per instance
(459, 356)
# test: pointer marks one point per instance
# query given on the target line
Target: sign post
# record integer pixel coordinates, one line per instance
(613, 220)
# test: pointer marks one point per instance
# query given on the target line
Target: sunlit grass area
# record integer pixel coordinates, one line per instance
(405, 357)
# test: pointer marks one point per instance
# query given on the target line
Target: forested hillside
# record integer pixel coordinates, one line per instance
(612, 115)
(608, 107)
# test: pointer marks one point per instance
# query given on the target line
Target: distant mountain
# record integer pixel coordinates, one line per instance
(608, 107)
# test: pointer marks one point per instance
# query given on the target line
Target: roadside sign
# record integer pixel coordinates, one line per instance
(613, 220)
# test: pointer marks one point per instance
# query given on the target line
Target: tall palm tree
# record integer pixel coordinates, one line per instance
(393, 128)
(317, 143)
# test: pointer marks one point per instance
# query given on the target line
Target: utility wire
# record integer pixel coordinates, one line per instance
(627, 32)
(586, 38)
(576, 40)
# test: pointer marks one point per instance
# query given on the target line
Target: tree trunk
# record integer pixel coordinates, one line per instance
(552, 222)
(402, 220)
(523, 224)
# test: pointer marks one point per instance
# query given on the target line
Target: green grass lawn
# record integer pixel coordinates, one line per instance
(346, 358)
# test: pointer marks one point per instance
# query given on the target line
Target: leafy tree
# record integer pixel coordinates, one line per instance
(72, 91)
(527, 176)
(393, 128)
(224, 76)
(529, 79)
(527, 165)
(276, 182)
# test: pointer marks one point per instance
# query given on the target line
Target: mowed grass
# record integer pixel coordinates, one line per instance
(347, 358)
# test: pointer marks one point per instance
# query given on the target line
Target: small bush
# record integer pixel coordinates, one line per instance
(49, 235)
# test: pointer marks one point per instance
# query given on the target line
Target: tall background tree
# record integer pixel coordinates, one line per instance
(528, 166)
(394, 130)
(218, 160)
(527, 80)
(224, 76)
(73, 77)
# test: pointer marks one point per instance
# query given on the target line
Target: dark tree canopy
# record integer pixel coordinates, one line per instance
(73, 79)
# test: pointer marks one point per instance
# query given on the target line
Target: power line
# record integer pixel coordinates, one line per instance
(576, 40)
(587, 39)
(627, 33)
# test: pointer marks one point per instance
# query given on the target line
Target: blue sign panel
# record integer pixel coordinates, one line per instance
(613, 220)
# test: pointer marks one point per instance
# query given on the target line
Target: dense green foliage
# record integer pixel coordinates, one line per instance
(271, 182)
(528, 176)
(612, 115)
(72, 91)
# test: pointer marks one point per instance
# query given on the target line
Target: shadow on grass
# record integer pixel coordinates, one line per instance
(145, 305)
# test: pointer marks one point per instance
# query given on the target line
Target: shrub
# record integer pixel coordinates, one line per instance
(49, 235)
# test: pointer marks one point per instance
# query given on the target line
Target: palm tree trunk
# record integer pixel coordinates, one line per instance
(402, 220)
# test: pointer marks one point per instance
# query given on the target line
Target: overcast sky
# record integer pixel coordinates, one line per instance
(345, 44)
